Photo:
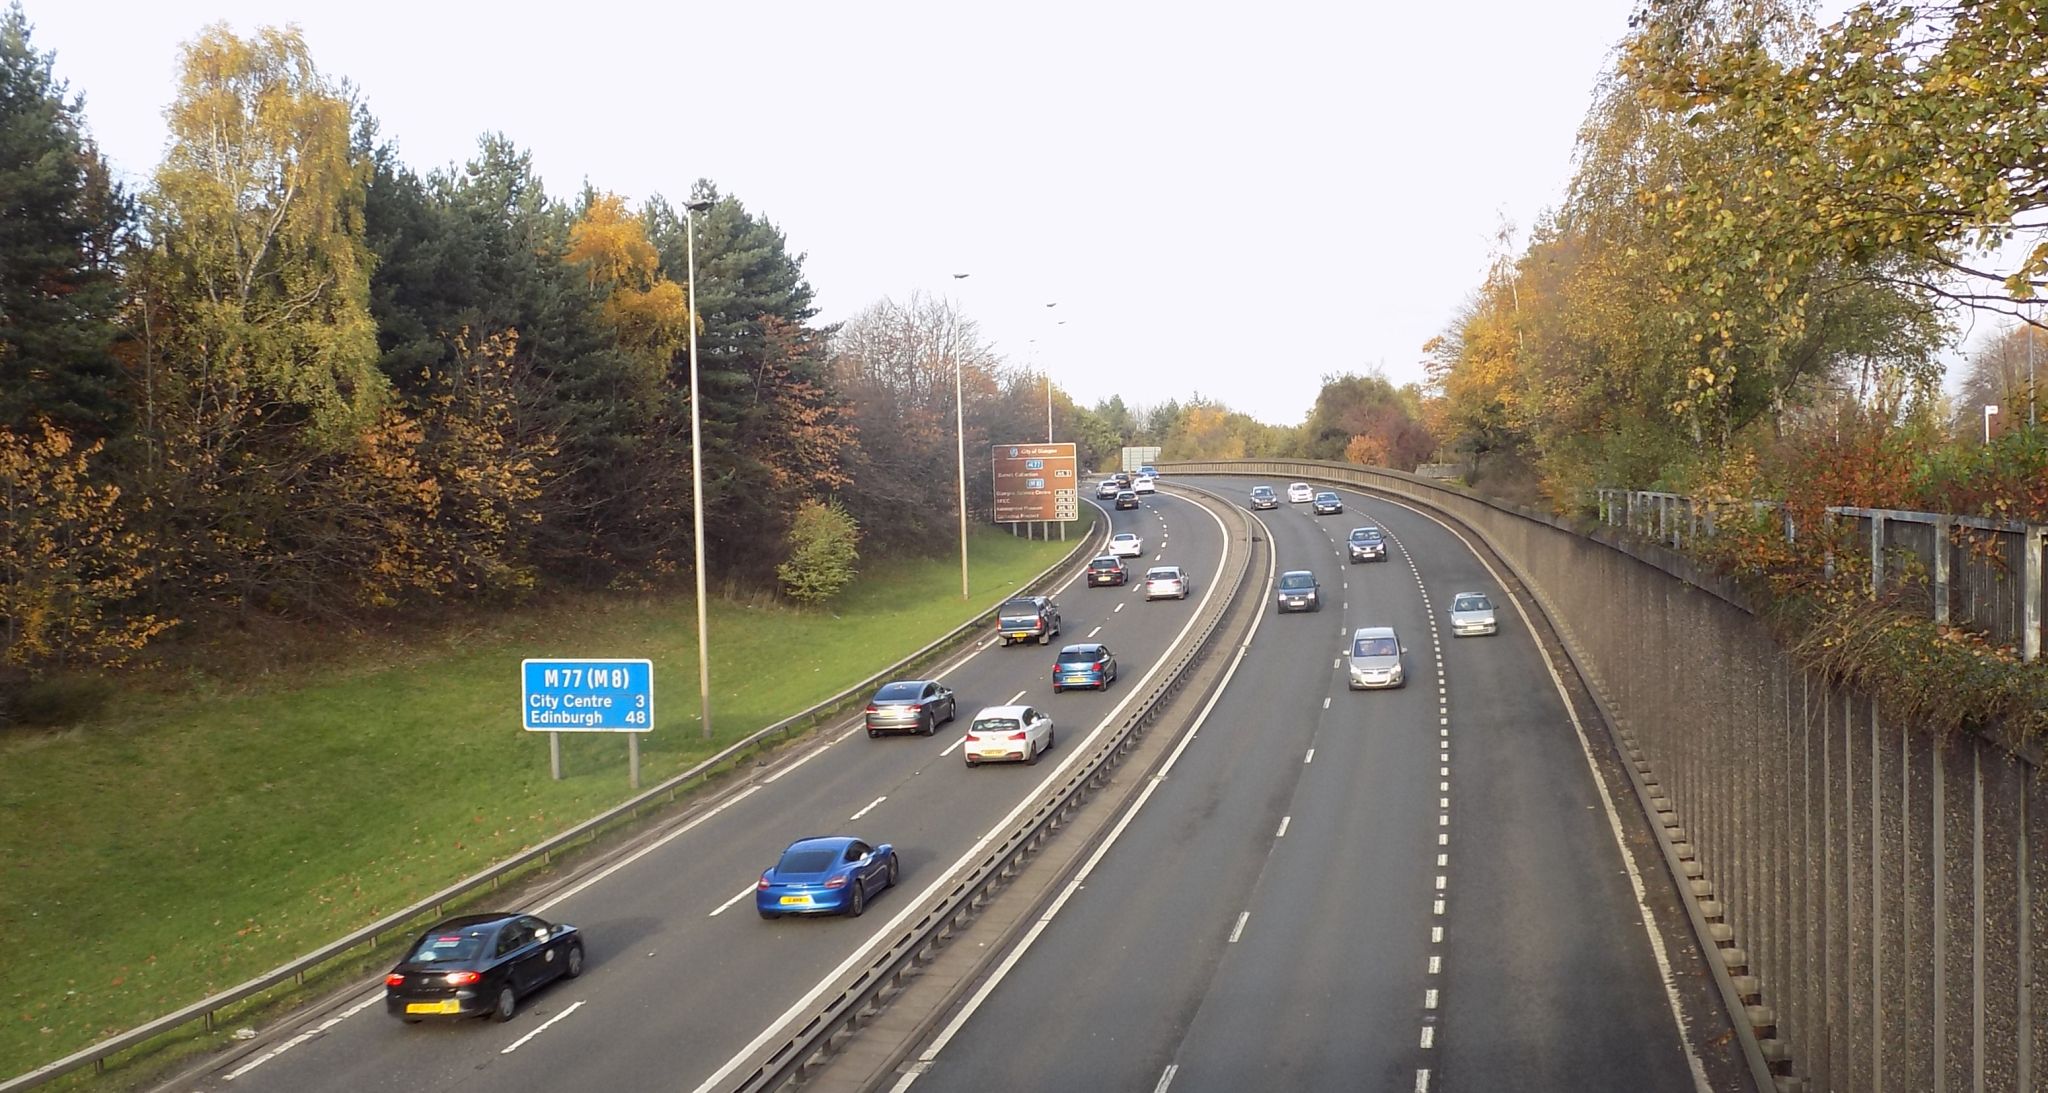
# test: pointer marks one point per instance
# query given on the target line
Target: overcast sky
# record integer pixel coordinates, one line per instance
(1231, 200)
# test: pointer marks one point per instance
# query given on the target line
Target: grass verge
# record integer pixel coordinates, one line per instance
(179, 846)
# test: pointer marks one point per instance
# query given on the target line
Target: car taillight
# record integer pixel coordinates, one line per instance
(836, 882)
(872, 708)
(1016, 736)
(463, 979)
(395, 979)
(1100, 665)
(764, 881)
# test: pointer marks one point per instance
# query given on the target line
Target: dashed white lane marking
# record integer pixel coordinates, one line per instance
(1436, 935)
(1326, 702)
(374, 998)
(1440, 882)
(1237, 931)
(1428, 1036)
(1014, 698)
(1436, 965)
(1443, 860)
(1310, 757)
(1422, 1080)
(727, 905)
(521, 1042)
(1429, 999)
(645, 850)
(1119, 607)
(1437, 908)
(1166, 1078)
(1284, 821)
(957, 741)
(1338, 663)
(1095, 631)
(871, 805)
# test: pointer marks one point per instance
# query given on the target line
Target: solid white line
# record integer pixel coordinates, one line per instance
(645, 850)
(1284, 821)
(797, 762)
(1095, 631)
(957, 741)
(723, 907)
(521, 1042)
(871, 805)
(1014, 698)
(1237, 931)
(1166, 1079)
(944, 877)
(1310, 757)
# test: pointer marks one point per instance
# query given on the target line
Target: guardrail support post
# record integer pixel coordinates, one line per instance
(1876, 554)
(1942, 524)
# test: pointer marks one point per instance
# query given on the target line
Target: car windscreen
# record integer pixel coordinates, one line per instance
(1262, 491)
(807, 860)
(1078, 656)
(450, 948)
(899, 692)
(1297, 580)
(1326, 497)
(1365, 535)
(1472, 602)
(995, 724)
(1374, 647)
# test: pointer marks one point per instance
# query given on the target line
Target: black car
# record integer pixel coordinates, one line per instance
(1127, 499)
(474, 965)
(1327, 503)
(1368, 545)
(1299, 591)
(1108, 569)
(912, 706)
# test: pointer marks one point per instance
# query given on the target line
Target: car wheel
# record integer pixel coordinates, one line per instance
(574, 967)
(972, 763)
(508, 1004)
(952, 709)
(411, 1020)
(856, 903)
(927, 724)
(872, 734)
(1030, 754)
(1055, 688)
(1045, 638)
(769, 916)
(1052, 736)
(894, 868)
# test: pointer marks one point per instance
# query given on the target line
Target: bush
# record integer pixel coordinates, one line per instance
(56, 700)
(823, 548)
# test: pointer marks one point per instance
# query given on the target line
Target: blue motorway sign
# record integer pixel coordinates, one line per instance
(586, 695)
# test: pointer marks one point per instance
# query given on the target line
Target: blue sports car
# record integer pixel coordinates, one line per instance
(831, 874)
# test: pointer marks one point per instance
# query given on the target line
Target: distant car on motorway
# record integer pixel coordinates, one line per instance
(1089, 664)
(1300, 494)
(1375, 658)
(1472, 613)
(1367, 544)
(1327, 503)
(1299, 591)
(825, 875)
(1144, 484)
(1263, 497)
(1126, 544)
(1126, 499)
(1149, 471)
(1008, 734)
(911, 705)
(477, 965)
(1027, 618)
(1107, 570)
(1166, 581)
(1107, 489)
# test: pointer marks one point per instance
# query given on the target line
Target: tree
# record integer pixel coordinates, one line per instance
(61, 222)
(2009, 371)
(823, 550)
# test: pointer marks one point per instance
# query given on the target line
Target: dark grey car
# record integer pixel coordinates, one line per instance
(911, 705)
(1298, 591)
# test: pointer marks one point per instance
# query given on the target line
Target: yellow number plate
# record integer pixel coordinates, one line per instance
(793, 900)
(449, 1006)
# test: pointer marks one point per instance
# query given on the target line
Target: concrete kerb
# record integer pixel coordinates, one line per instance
(205, 1010)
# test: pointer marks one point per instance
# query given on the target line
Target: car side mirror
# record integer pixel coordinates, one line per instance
(540, 935)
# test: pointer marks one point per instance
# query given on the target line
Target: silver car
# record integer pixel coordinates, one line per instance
(1472, 613)
(1166, 580)
(911, 705)
(1375, 658)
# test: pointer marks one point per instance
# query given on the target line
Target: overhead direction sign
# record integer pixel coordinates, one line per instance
(1035, 482)
(586, 695)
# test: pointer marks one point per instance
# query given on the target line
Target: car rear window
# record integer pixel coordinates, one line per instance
(1079, 656)
(448, 948)
(995, 724)
(1018, 608)
(806, 861)
(1297, 580)
(1162, 574)
(1373, 647)
(899, 692)
(1105, 563)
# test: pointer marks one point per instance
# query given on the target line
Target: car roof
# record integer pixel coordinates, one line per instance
(464, 922)
(1256, 489)
(1079, 646)
(1016, 712)
(1373, 632)
(1163, 569)
(1125, 535)
(822, 842)
(1326, 493)
(1298, 573)
(1111, 559)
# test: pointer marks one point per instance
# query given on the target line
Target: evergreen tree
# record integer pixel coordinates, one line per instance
(61, 220)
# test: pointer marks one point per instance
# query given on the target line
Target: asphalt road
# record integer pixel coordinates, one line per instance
(1415, 889)
(682, 975)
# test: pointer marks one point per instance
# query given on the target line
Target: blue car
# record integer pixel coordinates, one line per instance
(827, 875)
(1090, 664)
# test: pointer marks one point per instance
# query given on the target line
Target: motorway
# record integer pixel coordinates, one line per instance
(682, 975)
(1414, 889)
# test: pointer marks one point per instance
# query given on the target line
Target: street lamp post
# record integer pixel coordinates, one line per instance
(690, 211)
(960, 432)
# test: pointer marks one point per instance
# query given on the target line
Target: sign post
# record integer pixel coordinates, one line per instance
(584, 695)
(1036, 483)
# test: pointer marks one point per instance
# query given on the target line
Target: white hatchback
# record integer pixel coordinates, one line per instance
(1126, 544)
(1144, 484)
(1007, 734)
(1162, 581)
(1300, 493)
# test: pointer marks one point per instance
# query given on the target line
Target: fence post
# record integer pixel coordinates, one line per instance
(2030, 585)
(1876, 554)
(1942, 524)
